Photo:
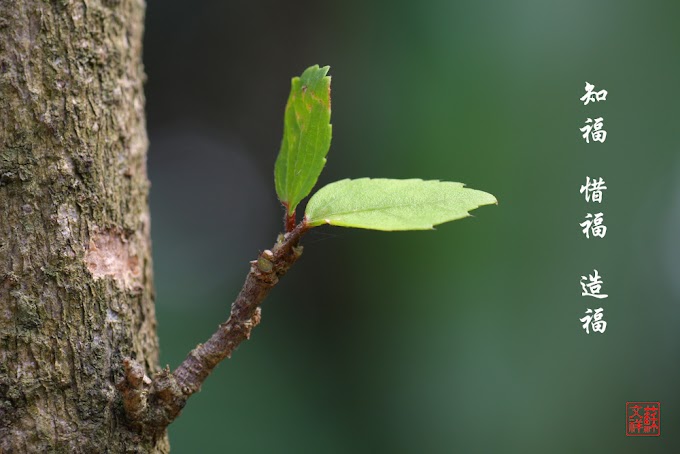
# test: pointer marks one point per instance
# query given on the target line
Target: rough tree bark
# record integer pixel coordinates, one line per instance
(76, 294)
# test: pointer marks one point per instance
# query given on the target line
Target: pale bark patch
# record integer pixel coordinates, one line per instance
(67, 215)
(110, 254)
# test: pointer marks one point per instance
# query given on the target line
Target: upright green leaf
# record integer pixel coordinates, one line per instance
(306, 136)
(383, 204)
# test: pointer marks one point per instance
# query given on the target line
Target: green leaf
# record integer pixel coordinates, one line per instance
(306, 136)
(383, 204)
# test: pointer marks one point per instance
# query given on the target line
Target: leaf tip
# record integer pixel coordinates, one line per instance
(314, 74)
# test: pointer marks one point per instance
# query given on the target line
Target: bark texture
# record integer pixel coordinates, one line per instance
(76, 294)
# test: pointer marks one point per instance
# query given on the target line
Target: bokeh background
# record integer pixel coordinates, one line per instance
(463, 339)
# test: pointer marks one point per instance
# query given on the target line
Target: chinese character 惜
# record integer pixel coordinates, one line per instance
(594, 321)
(594, 130)
(594, 225)
(592, 285)
(593, 189)
(592, 96)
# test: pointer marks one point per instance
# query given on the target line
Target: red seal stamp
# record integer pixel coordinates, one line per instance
(643, 419)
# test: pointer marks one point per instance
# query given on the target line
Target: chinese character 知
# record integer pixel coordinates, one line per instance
(592, 96)
(593, 189)
(594, 130)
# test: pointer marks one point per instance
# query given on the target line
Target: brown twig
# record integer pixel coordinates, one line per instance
(156, 404)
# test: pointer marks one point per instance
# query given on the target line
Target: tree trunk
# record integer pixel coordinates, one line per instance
(76, 294)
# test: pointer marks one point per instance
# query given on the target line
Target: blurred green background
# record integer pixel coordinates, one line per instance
(463, 339)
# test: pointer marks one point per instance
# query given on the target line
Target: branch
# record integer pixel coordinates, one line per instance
(154, 405)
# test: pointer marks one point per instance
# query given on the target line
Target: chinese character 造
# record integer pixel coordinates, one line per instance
(594, 225)
(592, 96)
(593, 287)
(593, 189)
(594, 130)
(594, 321)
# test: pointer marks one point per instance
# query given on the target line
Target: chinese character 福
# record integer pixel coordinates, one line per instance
(594, 321)
(594, 225)
(594, 130)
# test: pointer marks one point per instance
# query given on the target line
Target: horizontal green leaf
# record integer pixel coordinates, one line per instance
(383, 204)
(306, 136)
